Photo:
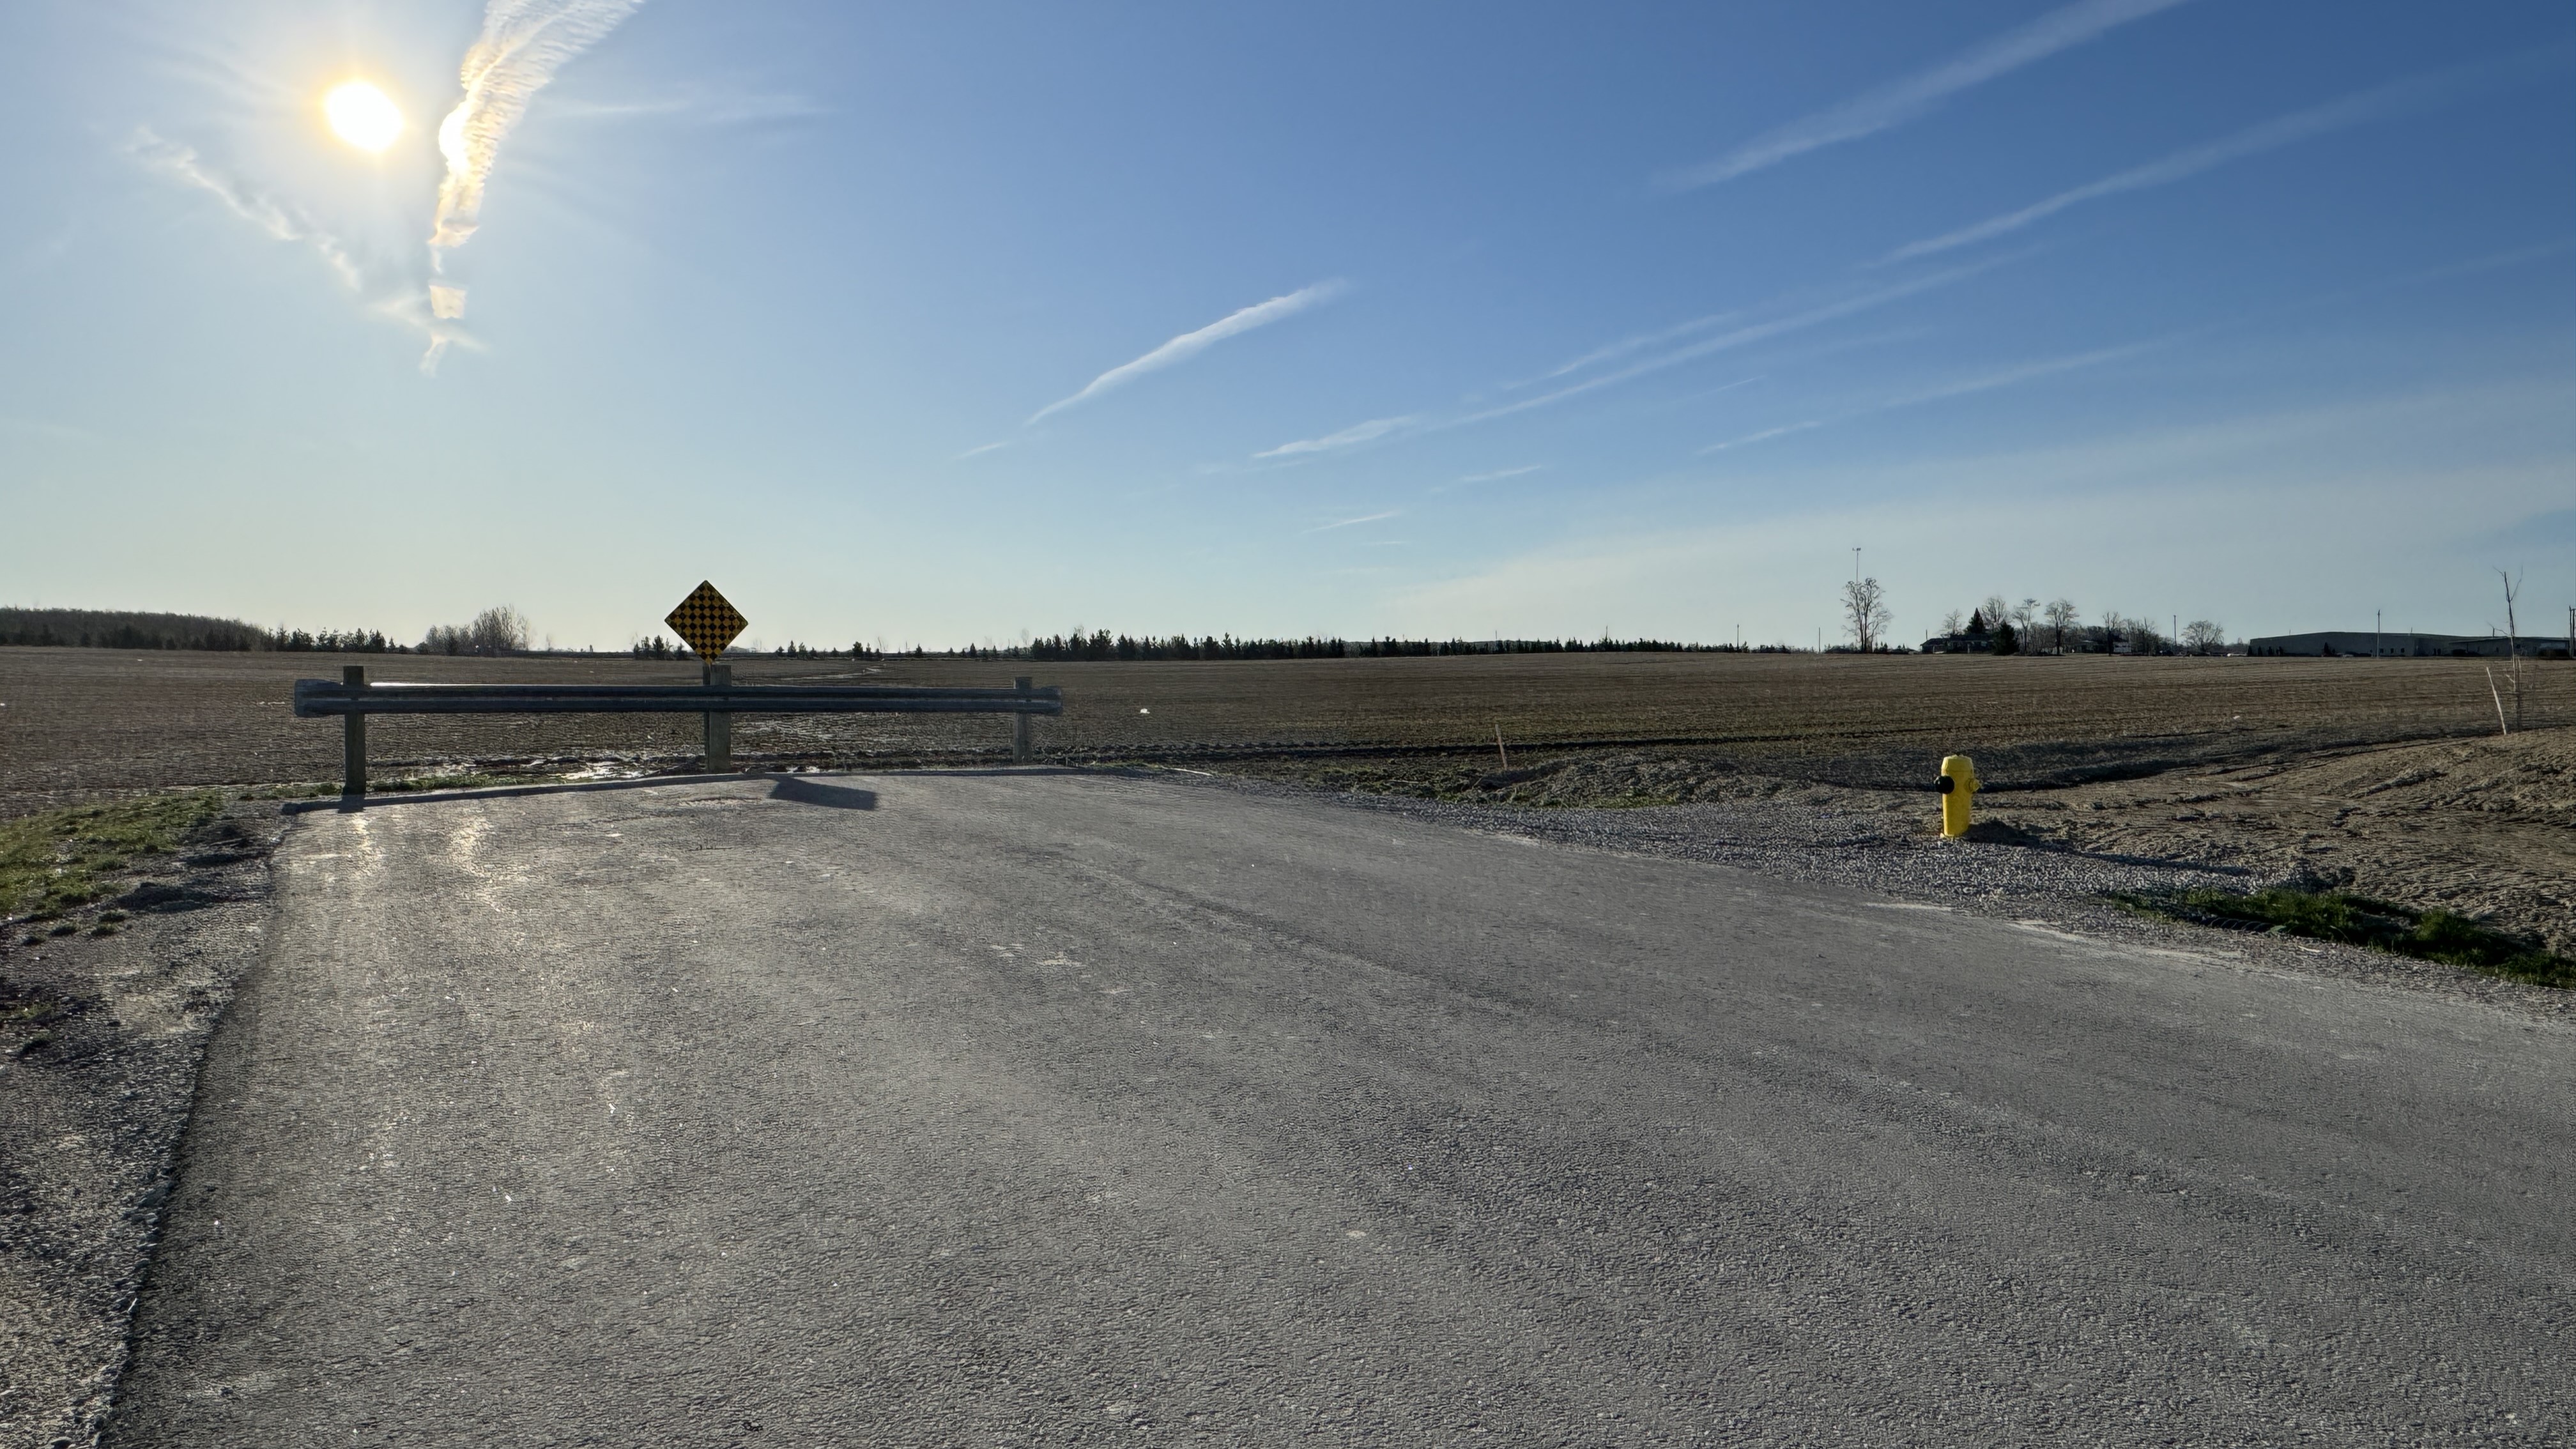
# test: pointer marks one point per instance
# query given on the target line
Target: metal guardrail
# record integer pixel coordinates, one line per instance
(719, 699)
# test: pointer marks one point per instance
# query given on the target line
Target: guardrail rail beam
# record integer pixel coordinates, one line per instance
(718, 699)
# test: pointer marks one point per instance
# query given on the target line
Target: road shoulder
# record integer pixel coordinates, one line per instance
(1889, 848)
(102, 1033)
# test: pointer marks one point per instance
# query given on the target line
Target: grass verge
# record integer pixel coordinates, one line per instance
(65, 859)
(403, 784)
(2443, 936)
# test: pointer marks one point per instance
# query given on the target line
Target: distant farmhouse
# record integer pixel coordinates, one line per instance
(2363, 644)
(1977, 639)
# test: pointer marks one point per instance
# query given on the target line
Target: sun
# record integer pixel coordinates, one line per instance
(362, 115)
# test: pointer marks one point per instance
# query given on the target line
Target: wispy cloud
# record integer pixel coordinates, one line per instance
(1191, 344)
(399, 300)
(1959, 387)
(2493, 261)
(1499, 474)
(1893, 105)
(1626, 345)
(2025, 372)
(183, 164)
(1355, 522)
(2415, 93)
(1737, 337)
(1369, 431)
(523, 44)
(980, 451)
(2307, 492)
(1764, 436)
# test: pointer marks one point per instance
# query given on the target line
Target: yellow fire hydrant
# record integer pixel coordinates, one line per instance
(1958, 788)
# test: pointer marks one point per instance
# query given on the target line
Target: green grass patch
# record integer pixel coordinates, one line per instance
(2436, 935)
(65, 859)
(30, 1013)
(400, 785)
(301, 790)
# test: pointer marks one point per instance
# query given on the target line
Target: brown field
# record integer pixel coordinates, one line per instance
(77, 723)
(2385, 775)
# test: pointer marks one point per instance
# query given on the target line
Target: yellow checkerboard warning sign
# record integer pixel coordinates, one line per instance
(706, 622)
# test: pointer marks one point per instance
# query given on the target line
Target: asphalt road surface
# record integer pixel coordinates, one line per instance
(1001, 1109)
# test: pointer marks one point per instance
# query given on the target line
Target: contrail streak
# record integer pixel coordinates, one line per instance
(1191, 344)
(1894, 105)
(2416, 93)
(524, 42)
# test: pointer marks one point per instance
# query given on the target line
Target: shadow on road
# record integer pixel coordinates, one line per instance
(815, 792)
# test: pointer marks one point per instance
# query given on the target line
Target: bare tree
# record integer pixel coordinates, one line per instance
(2203, 636)
(1866, 615)
(1995, 610)
(2512, 643)
(499, 630)
(1951, 623)
(2024, 615)
(2060, 616)
(2111, 633)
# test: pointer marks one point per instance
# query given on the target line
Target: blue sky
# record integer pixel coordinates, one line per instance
(949, 322)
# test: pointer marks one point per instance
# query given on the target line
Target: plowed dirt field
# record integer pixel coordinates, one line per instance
(82, 722)
(2383, 774)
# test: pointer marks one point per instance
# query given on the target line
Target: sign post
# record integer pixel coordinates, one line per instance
(707, 622)
(719, 723)
(1022, 750)
(353, 739)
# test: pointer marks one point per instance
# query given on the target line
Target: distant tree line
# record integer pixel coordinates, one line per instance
(657, 647)
(1101, 645)
(119, 629)
(331, 641)
(1998, 626)
(495, 631)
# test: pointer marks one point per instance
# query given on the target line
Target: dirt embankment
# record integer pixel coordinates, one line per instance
(2485, 827)
(2482, 826)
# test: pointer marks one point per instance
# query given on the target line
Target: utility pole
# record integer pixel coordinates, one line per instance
(2375, 651)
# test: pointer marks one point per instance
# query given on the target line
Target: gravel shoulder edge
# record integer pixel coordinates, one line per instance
(93, 1115)
(2037, 886)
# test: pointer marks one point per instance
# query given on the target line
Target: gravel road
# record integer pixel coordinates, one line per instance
(1057, 1108)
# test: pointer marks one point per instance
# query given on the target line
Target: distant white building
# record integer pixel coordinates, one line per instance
(2363, 644)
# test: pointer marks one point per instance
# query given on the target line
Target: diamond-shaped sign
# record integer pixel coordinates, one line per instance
(706, 622)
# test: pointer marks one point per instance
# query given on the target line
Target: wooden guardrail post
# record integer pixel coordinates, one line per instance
(1023, 749)
(353, 738)
(719, 723)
